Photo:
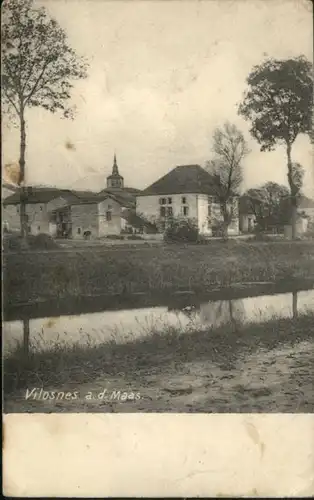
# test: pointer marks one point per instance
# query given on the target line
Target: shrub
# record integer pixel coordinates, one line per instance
(15, 243)
(42, 241)
(134, 237)
(114, 237)
(181, 230)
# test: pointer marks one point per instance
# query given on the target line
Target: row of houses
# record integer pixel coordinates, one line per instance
(187, 191)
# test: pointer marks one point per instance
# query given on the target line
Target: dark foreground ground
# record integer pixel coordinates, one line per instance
(255, 368)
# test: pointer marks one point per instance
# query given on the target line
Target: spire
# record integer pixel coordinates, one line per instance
(115, 180)
(115, 170)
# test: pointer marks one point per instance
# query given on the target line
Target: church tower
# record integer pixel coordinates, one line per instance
(115, 180)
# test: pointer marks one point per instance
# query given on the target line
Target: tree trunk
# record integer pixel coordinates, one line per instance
(23, 192)
(293, 194)
(225, 223)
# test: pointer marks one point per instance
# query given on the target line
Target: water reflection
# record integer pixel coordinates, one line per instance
(125, 325)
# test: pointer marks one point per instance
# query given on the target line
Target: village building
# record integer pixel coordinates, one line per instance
(278, 223)
(66, 213)
(187, 192)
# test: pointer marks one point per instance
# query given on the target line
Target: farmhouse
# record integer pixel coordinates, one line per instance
(187, 192)
(66, 213)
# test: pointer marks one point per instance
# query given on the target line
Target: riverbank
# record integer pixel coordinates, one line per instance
(267, 367)
(40, 277)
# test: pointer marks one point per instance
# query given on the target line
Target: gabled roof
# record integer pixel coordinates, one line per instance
(125, 198)
(182, 179)
(8, 185)
(37, 195)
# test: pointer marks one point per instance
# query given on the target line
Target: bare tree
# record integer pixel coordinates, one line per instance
(38, 67)
(230, 149)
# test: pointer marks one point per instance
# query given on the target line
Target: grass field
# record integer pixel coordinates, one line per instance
(258, 367)
(43, 276)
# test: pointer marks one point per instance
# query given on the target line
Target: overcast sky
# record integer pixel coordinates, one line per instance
(162, 76)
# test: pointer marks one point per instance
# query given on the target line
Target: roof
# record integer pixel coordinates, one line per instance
(95, 198)
(182, 179)
(74, 197)
(37, 195)
(8, 185)
(131, 190)
(7, 190)
(126, 198)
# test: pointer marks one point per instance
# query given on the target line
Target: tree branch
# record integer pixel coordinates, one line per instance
(41, 74)
(10, 100)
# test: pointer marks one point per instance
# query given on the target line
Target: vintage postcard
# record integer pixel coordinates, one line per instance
(158, 247)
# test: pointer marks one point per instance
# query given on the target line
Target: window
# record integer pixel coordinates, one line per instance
(183, 199)
(186, 211)
(169, 211)
(209, 210)
(29, 229)
(108, 216)
(162, 201)
(169, 201)
(78, 230)
(18, 209)
(109, 207)
(40, 208)
(38, 228)
(162, 211)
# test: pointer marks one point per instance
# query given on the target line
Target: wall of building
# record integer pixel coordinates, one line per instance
(204, 225)
(149, 206)
(38, 219)
(84, 218)
(116, 224)
(209, 214)
(246, 223)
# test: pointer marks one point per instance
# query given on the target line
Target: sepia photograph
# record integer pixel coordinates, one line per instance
(157, 206)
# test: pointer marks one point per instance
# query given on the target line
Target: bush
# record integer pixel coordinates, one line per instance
(114, 237)
(15, 243)
(134, 237)
(181, 230)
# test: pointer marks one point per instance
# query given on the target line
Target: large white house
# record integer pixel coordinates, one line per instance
(187, 191)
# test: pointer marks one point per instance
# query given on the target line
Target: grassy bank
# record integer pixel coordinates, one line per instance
(33, 277)
(174, 358)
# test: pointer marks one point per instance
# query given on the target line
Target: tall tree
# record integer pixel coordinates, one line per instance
(38, 68)
(267, 203)
(229, 150)
(279, 104)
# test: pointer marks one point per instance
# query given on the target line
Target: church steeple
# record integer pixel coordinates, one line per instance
(115, 170)
(115, 180)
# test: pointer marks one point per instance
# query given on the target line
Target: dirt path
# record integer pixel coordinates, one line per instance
(280, 380)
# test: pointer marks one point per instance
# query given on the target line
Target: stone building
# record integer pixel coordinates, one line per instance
(66, 213)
